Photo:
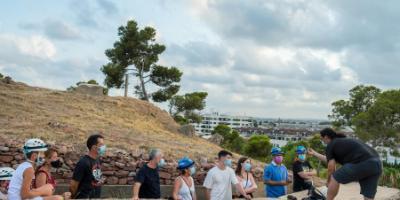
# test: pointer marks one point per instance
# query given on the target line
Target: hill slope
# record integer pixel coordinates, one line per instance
(65, 117)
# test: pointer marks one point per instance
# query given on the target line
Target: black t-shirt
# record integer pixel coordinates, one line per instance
(150, 183)
(299, 183)
(349, 150)
(88, 173)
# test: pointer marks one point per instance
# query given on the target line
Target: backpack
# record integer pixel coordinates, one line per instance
(314, 194)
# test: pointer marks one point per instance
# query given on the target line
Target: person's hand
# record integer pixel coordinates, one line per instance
(311, 151)
(247, 196)
(47, 190)
(67, 195)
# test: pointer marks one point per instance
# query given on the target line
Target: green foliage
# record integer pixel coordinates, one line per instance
(231, 138)
(137, 47)
(374, 115)
(188, 105)
(361, 99)
(1, 75)
(258, 147)
(391, 175)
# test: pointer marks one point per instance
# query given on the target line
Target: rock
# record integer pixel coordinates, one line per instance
(164, 175)
(108, 173)
(4, 149)
(121, 173)
(112, 180)
(7, 80)
(187, 130)
(216, 139)
(6, 158)
(122, 181)
(19, 157)
(119, 165)
(90, 89)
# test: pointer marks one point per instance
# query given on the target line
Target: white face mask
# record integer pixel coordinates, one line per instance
(323, 143)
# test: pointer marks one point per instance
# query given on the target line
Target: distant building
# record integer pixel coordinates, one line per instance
(210, 121)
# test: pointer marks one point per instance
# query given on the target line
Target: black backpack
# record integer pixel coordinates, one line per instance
(314, 194)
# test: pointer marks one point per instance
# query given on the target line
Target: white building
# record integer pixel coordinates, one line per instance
(210, 121)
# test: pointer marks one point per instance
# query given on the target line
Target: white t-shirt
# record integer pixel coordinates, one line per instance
(220, 183)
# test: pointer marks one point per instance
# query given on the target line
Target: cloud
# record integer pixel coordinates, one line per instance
(34, 61)
(108, 6)
(54, 29)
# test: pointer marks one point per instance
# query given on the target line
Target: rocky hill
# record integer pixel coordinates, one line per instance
(62, 117)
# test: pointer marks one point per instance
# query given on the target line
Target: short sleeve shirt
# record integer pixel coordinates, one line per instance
(88, 173)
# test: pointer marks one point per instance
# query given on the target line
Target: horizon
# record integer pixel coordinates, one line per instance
(287, 59)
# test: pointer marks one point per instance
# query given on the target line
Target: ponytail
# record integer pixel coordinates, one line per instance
(331, 133)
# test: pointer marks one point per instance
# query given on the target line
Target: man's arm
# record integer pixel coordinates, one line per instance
(73, 187)
(317, 155)
(331, 169)
(27, 192)
(270, 182)
(136, 188)
(208, 192)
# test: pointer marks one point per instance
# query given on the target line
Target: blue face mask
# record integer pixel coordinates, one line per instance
(302, 157)
(161, 163)
(228, 163)
(102, 150)
(40, 161)
(192, 171)
(247, 167)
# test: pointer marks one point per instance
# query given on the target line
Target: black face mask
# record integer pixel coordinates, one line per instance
(56, 164)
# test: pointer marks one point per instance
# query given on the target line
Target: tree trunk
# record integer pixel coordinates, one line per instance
(142, 83)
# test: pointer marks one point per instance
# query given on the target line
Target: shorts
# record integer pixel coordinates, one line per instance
(367, 173)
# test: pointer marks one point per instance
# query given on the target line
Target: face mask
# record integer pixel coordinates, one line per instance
(102, 150)
(56, 163)
(323, 143)
(39, 161)
(278, 159)
(192, 171)
(247, 167)
(161, 163)
(228, 163)
(302, 157)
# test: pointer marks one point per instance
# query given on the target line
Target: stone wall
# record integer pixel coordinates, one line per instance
(119, 167)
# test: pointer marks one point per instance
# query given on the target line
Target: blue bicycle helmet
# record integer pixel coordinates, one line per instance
(185, 163)
(276, 151)
(301, 150)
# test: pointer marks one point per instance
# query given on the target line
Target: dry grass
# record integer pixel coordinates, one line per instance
(127, 123)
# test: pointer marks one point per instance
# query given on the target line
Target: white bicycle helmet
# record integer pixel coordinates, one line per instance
(34, 144)
(6, 173)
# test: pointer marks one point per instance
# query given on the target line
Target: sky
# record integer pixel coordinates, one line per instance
(276, 58)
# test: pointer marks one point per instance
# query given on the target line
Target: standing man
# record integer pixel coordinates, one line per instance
(219, 179)
(147, 180)
(276, 176)
(87, 178)
(302, 171)
(359, 161)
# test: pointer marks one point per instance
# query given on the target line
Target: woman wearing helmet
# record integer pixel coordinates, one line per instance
(5, 177)
(21, 181)
(184, 185)
(302, 171)
(43, 173)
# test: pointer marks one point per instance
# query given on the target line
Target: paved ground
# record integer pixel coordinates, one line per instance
(351, 191)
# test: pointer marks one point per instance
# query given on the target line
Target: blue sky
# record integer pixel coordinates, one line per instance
(261, 58)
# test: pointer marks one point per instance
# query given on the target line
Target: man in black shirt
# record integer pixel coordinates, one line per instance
(147, 180)
(359, 161)
(302, 171)
(87, 177)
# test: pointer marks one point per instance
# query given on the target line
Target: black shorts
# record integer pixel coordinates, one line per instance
(367, 173)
